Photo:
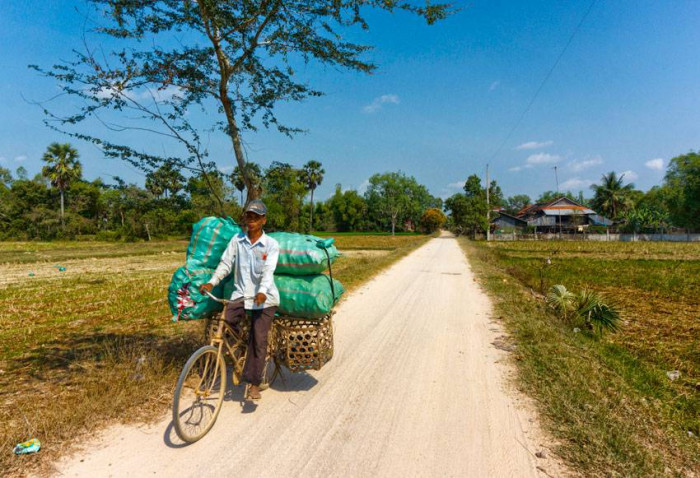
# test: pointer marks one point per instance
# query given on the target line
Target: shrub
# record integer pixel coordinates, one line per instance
(587, 308)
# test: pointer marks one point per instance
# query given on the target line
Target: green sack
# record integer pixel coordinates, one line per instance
(210, 237)
(186, 302)
(308, 297)
(300, 254)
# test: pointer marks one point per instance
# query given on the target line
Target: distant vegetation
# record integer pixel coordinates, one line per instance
(59, 204)
(674, 204)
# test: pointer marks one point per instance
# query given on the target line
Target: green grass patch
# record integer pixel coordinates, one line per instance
(78, 351)
(607, 401)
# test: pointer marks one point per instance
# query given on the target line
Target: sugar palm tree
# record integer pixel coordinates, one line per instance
(62, 168)
(313, 175)
(255, 174)
(611, 197)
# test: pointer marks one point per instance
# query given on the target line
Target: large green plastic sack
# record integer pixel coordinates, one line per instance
(186, 302)
(210, 237)
(299, 254)
(308, 296)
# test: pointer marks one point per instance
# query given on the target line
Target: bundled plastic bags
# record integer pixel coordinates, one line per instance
(304, 291)
(300, 255)
(308, 297)
(210, 237)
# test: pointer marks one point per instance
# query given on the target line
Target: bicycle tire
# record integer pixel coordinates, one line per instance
(208, 368)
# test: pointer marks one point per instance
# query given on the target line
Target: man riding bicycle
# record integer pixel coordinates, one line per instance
(254, 256)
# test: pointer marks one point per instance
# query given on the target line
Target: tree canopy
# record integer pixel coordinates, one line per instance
(239, 59)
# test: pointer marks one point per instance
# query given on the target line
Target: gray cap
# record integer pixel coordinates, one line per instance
(256, 206)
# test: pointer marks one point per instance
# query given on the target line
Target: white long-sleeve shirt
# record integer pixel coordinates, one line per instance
(254, 265)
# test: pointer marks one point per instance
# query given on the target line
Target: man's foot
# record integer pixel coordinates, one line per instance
(254, 392)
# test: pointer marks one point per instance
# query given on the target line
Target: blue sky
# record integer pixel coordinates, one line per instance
(624, 97)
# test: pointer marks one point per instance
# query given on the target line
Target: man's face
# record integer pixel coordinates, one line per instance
(253, 221)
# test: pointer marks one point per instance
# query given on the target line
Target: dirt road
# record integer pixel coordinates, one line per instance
(416, 388)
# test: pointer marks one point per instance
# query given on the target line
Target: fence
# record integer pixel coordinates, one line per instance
(598, 237)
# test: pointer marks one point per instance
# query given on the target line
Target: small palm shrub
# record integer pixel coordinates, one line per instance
(587, 307)
(596, 313)
(561, 300)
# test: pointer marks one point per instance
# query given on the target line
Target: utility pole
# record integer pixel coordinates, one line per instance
(556, 177)
(488, 205)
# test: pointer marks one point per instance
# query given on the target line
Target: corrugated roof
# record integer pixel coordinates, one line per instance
(560, 211)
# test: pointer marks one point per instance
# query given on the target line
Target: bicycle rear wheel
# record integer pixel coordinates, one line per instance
(199, 394)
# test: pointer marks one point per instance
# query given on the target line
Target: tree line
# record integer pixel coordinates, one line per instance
(675, 204)
(59, 203)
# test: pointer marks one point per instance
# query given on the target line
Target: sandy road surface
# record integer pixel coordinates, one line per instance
(416, 388)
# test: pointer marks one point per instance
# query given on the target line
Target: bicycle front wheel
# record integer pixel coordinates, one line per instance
(199, 394)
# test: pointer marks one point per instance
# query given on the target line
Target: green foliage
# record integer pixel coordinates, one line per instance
(561, 301)
(349, 210)
(468, 210)
(683, 183)
(549, 196)
(611, 198)
(395, 200)
(284, 191)
(516, 203)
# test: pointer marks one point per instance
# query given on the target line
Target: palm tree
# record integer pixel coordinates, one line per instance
(62, 169)
(313, 176)
(611, 197)
(255, 174)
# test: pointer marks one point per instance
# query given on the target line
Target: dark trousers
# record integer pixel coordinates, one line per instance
(261, 321)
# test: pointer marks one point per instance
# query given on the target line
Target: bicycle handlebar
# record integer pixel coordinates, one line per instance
(226, 301)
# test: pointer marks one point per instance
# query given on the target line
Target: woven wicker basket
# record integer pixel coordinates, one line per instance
(305, 344)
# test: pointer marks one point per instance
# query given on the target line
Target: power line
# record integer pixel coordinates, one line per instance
(549, 74)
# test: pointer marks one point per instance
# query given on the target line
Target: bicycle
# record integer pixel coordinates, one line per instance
(201, 387)
(298, 344)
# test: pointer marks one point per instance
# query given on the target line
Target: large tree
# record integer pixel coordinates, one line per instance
(313, 177)
(238, 58)
(683, 183)
(612, 197)
(394, 197)
(468, 210)
(62, 168)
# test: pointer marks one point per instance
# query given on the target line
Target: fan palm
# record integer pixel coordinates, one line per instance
(254, 173)
(313, 175)
(596, 313)
(62, 168)
(611, 197)
(561, 300)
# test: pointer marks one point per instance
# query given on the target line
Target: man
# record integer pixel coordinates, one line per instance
(254, 256)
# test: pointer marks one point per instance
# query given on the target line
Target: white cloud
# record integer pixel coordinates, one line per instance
(578, 166)
(2, 159)
(535, 145)
(494, 85)
(575, 183)
(542, 158)
(515, 169)
(630, 175)
(20, 158)
(377, 103)
(655, 164)
(457, 185)
(363, 186)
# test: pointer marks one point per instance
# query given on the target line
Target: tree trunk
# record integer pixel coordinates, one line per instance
(225, 72)
(148, 232)
(312, 211)
(63, 222)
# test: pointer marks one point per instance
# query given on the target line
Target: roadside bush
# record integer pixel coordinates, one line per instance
(432, 220)
(587, 308)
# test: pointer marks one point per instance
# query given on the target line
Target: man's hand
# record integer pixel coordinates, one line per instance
(204, 288)
(260, 299)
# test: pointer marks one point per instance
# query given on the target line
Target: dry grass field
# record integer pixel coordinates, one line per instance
(608, 400)
(94, 344)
